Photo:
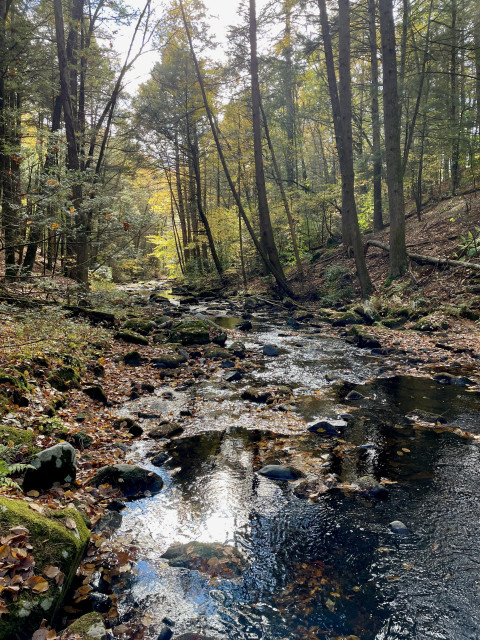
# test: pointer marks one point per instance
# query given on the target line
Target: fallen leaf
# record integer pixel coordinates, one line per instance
(70, 523)
(51, 572)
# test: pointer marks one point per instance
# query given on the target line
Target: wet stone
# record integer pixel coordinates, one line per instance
(133, 359)
(399, 528)
(233, 376)
(328, 427)
(165, 634)
(210, 558)
(165, 430)
(279, 472)
(270, 350)
(238, 349)
(256, 395)
(110, 521)
(425, 416)
(244, 326)
(159, 459)
(371, 486)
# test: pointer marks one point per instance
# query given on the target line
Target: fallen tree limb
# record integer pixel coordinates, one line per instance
(416, 257)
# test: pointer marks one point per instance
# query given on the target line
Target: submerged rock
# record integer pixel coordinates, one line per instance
(448, 378)
(129, 478)
(55, 464)
(354, 395)
(280, 472)
(399, 528)
(238, 349)
(425, 416)
(371, 486)
(246, 325)
(212, 558)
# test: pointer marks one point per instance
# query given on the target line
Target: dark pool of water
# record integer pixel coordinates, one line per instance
(331, 568)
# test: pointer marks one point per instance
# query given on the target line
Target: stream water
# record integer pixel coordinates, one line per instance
(325, 568)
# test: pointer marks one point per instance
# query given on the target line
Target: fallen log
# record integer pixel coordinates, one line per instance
(416, 257)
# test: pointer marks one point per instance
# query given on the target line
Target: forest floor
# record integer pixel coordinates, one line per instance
(37, 341)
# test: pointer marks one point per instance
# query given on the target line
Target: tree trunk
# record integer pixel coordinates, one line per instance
(73, 162)
(377, 154)
(341, 101)
(266, 230)
(391, 115)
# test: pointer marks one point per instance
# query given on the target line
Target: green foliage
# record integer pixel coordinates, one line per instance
(338, 286)
(7, 470)
(469, 245)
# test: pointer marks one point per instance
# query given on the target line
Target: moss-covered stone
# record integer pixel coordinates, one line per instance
(342, 318)
(169, 360)
(430, 323)
(362, 339)
(13, 387)
(192, 331)
(217, 352)
(18, 437)
(64, 378)
(53, 544)
(88, 627)
(144, 326)
(131, 337)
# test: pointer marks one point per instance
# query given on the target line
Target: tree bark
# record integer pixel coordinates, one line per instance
(266, 230)
(391, 115)
(377, 154)
(341, 101)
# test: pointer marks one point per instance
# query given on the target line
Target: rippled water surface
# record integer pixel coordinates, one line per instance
(329, 568)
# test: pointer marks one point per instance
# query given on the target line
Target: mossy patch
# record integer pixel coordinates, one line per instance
(64, 378)
(140, 325)
(191, 332)
(89, 627)
(21, 439)
(53, 544)
(131, 337)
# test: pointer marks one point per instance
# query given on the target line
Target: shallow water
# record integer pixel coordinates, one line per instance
(329, 568)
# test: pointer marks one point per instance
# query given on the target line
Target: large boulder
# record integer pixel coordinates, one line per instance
(131, 337)
(362, 339)
(58, 540)
(129, 478)
(55, 464)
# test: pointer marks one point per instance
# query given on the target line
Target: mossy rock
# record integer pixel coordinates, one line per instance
(217, 352)
(64, 378)
(17, 436)
(89, 627)
(53, 544)
(13, 387)
(342, 318)
(15, 380)
(169, 360)
(140, 325)
(131, 337)
(362, 339)
(191, 332)
(430, 324)
(393, 323)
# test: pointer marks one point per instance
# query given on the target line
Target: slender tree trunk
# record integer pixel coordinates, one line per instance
(73, 160)
(341, 101)
(278, 177)
(289, 101)
(266, 230)
(454, 125)
(391, 116)
(377, 154)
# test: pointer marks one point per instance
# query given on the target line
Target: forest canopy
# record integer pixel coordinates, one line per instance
(312, 124)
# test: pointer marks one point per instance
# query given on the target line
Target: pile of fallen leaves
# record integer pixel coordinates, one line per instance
(17, 568)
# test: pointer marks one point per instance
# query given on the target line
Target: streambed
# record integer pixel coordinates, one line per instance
(327, 567)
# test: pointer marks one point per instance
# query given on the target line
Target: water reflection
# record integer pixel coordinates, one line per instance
(330, 568)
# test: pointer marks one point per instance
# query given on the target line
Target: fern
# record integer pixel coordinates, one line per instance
(7, 470)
